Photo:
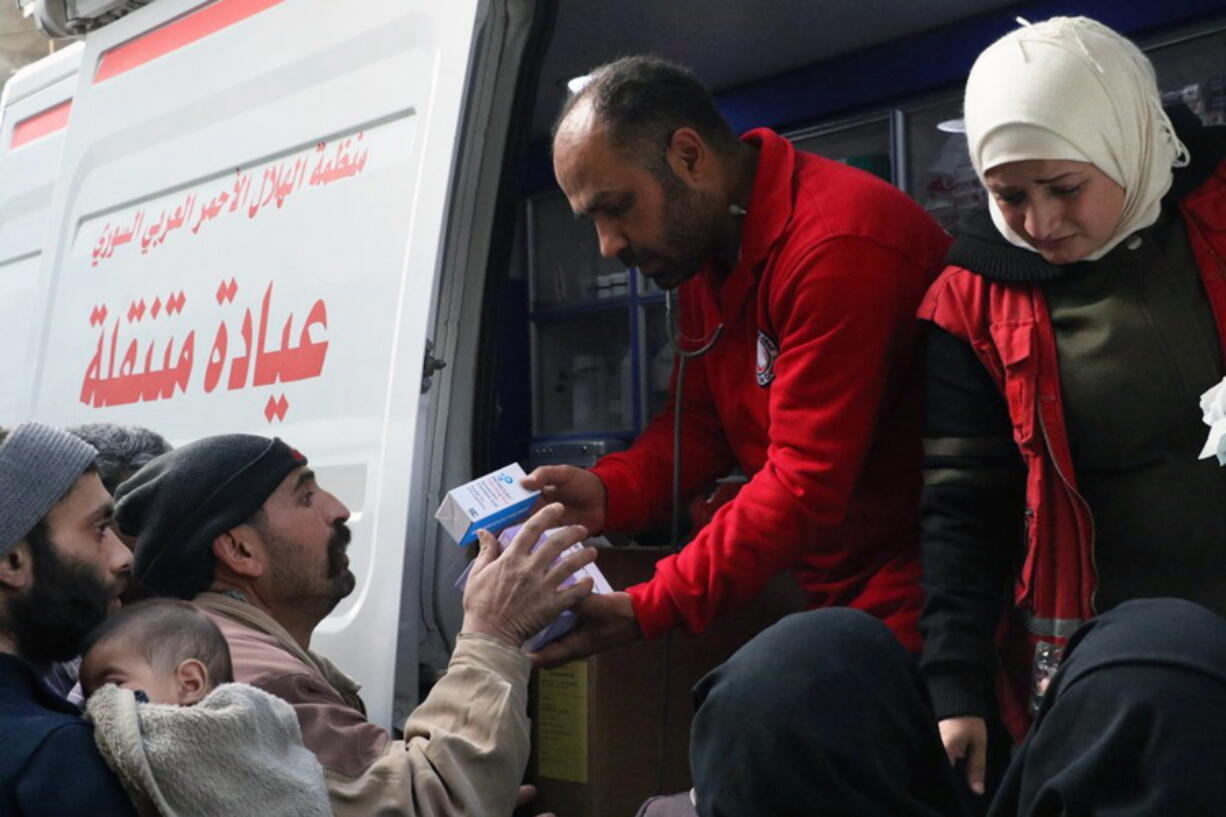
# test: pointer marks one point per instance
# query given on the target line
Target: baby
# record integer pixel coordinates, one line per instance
(182, 737)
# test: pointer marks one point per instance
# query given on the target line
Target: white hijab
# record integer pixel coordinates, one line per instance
(1070, 88)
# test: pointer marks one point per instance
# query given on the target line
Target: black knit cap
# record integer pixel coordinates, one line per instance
(178, 503)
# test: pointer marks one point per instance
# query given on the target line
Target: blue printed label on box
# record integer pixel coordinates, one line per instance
(493, 502)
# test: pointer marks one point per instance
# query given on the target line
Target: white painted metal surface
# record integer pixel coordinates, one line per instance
(245, 235)
(27, 180)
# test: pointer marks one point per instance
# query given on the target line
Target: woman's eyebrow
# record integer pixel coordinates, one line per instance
(1057, 178)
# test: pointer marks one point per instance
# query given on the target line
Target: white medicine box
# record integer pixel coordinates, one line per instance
(493, 502)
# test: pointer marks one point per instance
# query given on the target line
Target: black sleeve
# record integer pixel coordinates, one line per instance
(973, 497)
(67, 775)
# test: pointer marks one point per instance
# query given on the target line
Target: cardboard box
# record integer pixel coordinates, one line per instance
(612, 730)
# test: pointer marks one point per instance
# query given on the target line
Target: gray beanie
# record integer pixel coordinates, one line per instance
(38, 466)
(178, 503)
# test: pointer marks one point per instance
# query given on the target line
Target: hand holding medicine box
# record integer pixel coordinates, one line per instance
(492, 502)
(563, 624)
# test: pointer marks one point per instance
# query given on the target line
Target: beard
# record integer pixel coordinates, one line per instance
(689, 236)
(67, 600)
(304, 587)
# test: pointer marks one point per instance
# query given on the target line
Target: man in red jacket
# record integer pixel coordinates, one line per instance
(802, 275)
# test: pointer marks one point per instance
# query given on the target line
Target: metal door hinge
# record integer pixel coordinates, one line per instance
(429, 366)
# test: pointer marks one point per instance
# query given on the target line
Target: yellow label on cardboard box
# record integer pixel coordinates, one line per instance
(561, 723)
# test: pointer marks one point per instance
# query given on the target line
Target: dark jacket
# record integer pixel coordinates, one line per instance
(998, 462)
(49, 764)
(1132, 726)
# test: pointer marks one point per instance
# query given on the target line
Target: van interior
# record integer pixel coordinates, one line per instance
(574, 355)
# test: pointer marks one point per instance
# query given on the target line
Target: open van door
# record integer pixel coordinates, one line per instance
(248, 233)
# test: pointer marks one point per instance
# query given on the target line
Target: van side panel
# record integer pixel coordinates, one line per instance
(247, 233)
(34, 114)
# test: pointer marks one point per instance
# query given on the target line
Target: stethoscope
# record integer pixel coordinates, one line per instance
(686, 349)
(697, 346)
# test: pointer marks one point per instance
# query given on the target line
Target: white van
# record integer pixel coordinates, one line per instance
(250, 215)
(277, 216)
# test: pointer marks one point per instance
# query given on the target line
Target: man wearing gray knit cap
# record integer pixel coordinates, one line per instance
(239, 523)
(62, 569)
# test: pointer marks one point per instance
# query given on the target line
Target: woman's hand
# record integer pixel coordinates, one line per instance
(967, 738)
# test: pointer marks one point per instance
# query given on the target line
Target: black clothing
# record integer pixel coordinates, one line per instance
(824, 713)
(972, 519)
(1133, 723)
(49, 765)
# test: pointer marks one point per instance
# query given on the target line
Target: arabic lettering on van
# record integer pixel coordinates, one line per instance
(114, 377)
(278, 182)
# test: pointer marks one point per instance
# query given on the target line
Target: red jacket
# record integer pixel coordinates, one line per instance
(1009, 328)
(813, 390)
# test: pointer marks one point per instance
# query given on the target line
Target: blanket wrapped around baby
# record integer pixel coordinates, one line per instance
(237, 752)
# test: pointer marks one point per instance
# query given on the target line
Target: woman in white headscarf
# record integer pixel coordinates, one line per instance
(1080, 318)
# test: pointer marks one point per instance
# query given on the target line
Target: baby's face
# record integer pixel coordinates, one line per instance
(117, 661)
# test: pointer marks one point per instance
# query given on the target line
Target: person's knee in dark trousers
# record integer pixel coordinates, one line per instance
(823, 713)
(1134, 723)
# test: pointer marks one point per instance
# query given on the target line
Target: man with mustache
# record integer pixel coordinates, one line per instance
(801, 277)
(238, 523)
(61, 572)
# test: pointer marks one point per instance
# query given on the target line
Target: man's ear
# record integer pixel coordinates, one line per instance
(191, 681)
(689, 156)
(17, 567)
(239, 552)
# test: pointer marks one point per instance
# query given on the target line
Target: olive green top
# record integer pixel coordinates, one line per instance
(1137, 346)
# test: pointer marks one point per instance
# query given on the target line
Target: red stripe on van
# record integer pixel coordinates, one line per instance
(177, 33)
(40, 124)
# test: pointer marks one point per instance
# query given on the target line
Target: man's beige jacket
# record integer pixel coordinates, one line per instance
(465, 747)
